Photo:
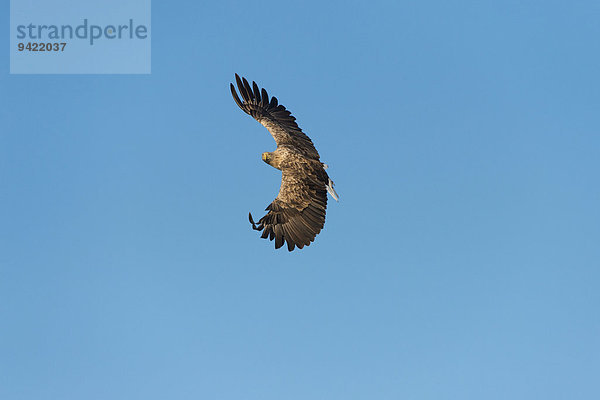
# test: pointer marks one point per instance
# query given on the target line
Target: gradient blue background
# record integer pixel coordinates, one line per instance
(462, 261)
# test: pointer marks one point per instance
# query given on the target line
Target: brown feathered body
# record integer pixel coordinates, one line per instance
(297, 214)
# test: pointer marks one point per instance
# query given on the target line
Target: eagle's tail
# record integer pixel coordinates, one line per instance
(330, 185)
(331, 190)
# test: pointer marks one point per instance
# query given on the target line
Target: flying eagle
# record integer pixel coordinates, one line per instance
(297, 214)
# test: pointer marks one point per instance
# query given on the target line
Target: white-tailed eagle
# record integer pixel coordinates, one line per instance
(297, 214)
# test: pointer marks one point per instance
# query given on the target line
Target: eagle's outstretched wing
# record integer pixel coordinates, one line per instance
(273, 116)
(297, 214)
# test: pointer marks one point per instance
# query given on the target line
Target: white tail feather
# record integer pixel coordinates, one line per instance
(332, 191)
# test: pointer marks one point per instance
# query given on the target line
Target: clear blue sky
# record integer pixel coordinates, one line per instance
(462, 262)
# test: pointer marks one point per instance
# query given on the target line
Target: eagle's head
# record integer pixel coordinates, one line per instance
(273, 159)
(266, 157)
